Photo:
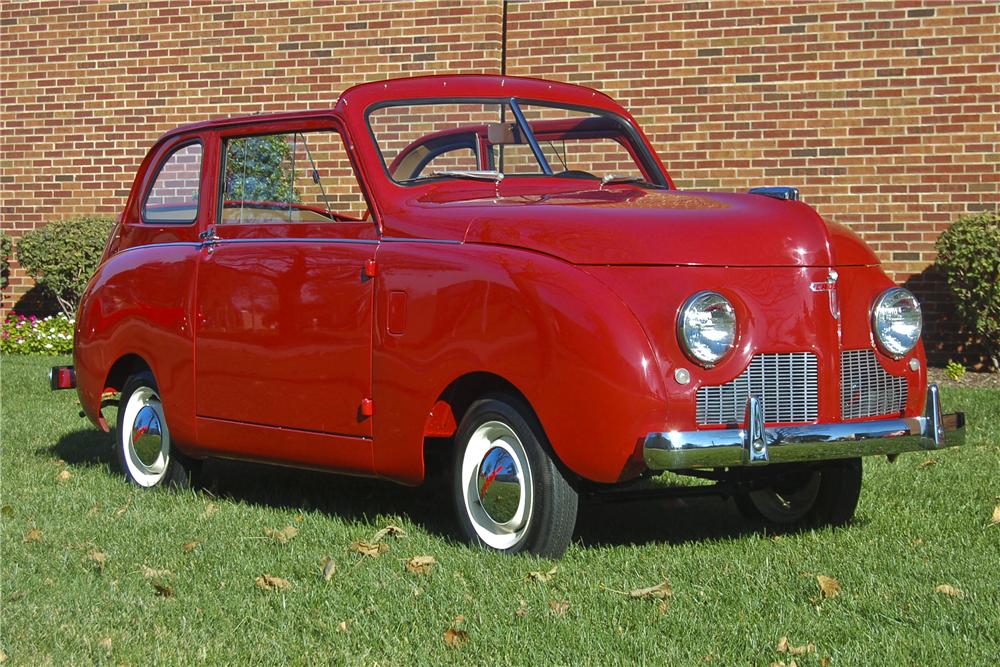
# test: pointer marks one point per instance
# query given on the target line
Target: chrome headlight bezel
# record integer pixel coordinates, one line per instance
(698, 348)
(896, 342)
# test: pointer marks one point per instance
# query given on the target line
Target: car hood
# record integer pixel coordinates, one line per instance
(629, 225)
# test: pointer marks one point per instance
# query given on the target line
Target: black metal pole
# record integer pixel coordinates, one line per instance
(503, 40)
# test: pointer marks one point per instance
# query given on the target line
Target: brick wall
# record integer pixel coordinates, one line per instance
(885, 115)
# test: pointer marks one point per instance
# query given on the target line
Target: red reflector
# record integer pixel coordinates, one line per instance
(367, 407)
(62, 377)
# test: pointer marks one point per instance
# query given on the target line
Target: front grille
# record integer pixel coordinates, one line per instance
(866, 390)
(785, 382)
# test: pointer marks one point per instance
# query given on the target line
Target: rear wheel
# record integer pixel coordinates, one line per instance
(827, 495)
(509, 494)
(143, 439)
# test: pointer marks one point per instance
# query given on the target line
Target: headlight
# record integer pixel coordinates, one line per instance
(706, 327)
(896, 321)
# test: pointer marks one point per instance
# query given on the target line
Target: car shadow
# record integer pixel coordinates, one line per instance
(365, 500)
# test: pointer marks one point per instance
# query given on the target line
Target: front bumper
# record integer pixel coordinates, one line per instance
(754, 444)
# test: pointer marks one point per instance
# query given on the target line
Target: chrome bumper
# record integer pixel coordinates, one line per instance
(754, 444)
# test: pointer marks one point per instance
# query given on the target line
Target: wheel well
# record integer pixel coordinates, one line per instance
(124, 368)
(459, 395)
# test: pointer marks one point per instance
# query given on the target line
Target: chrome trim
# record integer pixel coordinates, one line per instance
(723, 448)
(867, 389)
(787, 383)
(782, 192)
(873, 311)
(682, 339)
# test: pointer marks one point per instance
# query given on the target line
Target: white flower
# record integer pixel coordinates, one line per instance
(48, 346)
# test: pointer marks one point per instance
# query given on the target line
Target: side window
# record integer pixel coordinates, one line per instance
(175, 192)
(459, 159)
(293, 177)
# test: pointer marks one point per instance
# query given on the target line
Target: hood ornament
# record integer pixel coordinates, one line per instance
(830, 287)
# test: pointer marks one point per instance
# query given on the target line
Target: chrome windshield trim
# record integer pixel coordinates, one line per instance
(530, 136)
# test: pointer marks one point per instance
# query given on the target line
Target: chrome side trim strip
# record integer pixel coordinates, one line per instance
(679, 450)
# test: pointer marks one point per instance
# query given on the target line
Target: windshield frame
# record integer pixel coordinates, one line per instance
(645, 160)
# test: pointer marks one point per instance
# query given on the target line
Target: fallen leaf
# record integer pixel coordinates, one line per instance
(388, 531)
(949, 590)
(210, 509)
(455, 638)
(342, 626)
(98, 558)
(283, 536)
(163, 590)
(369, 549)
(660, 591)
(542, 576)
(299, 518)
(3, 656)
(7, 510)
(271, 583)
(33, 535)
(802, 650)
(825, 661)
(558, 607)
(828, 586)
(328, 568)
(124, 508)
(522, 609)
(782, 646)
(152, 573)
(420, 564)
(995, 519)
(927, 463)
(190, 546)
(105, 644)
(63, 476)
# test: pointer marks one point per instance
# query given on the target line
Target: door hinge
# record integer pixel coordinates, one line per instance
(367, 407)
(371, 268)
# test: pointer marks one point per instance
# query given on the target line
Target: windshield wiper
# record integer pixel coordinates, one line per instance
(476, 175)
(616, 178)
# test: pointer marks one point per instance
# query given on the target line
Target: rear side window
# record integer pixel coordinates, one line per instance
(174, 196)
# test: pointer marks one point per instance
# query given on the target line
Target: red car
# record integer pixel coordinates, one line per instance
(496, 272)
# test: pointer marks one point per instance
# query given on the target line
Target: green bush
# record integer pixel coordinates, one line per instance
(259, 169)
(954, 370)
(63, 255)
(33, 335)
(5, 248)
(969, 257)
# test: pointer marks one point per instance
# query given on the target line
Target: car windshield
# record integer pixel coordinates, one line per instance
(490, 140)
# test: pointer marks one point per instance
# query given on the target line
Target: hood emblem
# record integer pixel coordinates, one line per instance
(830, 287)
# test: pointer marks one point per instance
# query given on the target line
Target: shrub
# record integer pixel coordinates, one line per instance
(969, 257)
(63, 255)
(954, 370)
(32, 335)
(5, 247)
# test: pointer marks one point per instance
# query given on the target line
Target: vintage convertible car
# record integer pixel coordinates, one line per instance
(495, 276)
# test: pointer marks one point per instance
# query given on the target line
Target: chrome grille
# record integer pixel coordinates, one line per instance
(786, 383)
(866, 390)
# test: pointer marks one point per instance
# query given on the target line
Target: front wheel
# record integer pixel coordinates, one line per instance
(509, 494)
(143, 439)
(826, 495)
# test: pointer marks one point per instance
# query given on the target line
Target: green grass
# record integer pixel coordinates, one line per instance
(736, 590)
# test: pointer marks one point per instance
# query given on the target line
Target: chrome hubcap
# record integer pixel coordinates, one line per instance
(499, 485)
(147, 435)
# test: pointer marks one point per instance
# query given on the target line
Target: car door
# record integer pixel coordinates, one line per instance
(284, 305)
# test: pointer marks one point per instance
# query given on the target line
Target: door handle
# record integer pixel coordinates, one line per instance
(209, 238)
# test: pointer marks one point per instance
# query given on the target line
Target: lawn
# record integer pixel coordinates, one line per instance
(96, 571)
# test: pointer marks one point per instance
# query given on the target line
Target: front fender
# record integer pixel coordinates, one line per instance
(566, 341)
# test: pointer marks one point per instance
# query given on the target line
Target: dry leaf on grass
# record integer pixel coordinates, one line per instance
(825, 661)
(163, 590)
(268, 582)
(558, 607)
(3, 656)
(283, 536)
(105, 644)
(828, 586)
(785, 647)
(949, 590)
(190, 546)
(420, 564)
(369, 549)
(927, 463)
(522, 609)
(995, 519)
(327, 568)
(98, 558)
(64, 475)
(660, 591)
(210, 509)
(33, 535)
(342, 626)
(152, 573)
(388, 531)
(542, 576)
(455, 638)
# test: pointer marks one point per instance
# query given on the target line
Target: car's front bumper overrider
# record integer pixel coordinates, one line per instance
(755, 444)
